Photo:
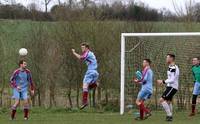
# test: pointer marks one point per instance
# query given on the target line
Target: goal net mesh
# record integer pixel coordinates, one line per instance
(156, 48)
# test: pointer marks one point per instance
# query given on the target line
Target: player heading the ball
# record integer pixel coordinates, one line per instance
(91, 75)
(20, 81)
(146, 80)
(172, 83)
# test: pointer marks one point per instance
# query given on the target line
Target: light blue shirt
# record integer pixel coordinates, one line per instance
(90, 59)
(22, 79)
(147, 82)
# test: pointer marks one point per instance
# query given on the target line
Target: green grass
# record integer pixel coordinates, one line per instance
(91, 117)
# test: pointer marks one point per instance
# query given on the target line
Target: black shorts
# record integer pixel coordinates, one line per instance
(169, 93)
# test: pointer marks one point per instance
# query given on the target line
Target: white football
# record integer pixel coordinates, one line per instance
(23, 52)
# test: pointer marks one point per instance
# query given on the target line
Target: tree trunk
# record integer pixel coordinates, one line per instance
(46, 8)
(69, 98)
(106, 95)
(33, 100)
(77, 94)
(43, 95)
(52, 95)
(93, 98)
(1, 98)
(1, 95)
(156, 97)
(39, 98)
(59, 2)
(99, 95)
(90, 98)
(2, 90)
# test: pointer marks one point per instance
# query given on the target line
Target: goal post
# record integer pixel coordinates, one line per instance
(123, 55)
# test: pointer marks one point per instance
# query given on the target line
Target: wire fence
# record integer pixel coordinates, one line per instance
(156, 48)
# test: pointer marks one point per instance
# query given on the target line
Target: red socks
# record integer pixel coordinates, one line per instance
(85, 93)
(26, 111)
(141, 110)
(85, 97)
(13, 114)
(193, 108)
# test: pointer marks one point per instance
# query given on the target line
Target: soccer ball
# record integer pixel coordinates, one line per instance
(23, 52)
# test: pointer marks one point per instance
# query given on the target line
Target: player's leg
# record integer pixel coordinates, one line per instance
(92, 86)
(16, 96)
(166, 107)
(196, 92)
(194, 99)
(90, 79)
(140, 103)
(146, 109)
(164, 102)
(14, 109)
(93, 83)
(26, 105)
(86, 81)
(85, 95)
(169, 102)
(170, 106)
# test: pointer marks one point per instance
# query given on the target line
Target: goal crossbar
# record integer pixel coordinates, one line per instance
(123, 40)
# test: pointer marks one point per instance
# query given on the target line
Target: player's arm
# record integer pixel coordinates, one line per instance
(13, 80)
(193, 74)
(82, 57)
(31, 83)
(76, 54)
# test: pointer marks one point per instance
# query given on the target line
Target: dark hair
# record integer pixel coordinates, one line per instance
(148, 60)
(21, 62)
(85, 44)
(171, 56)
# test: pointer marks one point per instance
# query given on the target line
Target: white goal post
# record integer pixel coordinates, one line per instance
(123, 42)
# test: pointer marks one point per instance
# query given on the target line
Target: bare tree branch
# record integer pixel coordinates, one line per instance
(185, 11)
(46, 4)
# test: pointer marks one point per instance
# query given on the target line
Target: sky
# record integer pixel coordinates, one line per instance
(157, 4)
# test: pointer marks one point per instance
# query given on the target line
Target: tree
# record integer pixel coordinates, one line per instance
(197, 12)
(186, 12)
(59, 2)
(85, 3)
(46, 3)
(71, 3)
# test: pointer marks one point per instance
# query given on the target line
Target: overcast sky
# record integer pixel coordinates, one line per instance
(158, 4)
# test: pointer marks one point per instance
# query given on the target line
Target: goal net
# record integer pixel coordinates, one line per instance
(137, 46)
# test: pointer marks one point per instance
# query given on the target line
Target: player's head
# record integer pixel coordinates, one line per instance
(195, 61)
(170, 58)
(146, 62)
(85, 46)
(22, 64)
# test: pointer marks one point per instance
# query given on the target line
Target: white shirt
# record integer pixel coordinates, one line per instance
(172, 76)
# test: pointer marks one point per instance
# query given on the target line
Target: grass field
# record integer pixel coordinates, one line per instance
(62, 117)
